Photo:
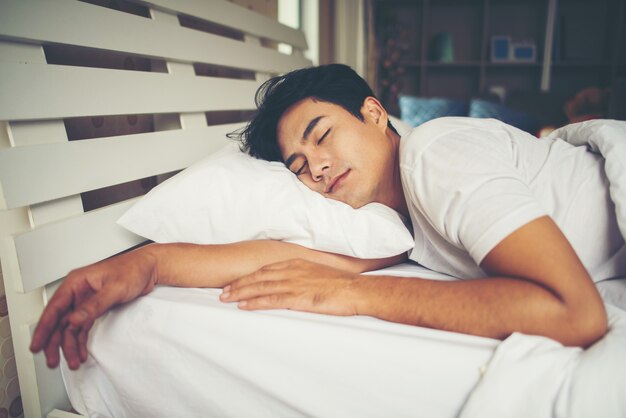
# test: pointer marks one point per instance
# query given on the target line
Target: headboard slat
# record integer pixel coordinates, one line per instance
(45, 172)
(41, 91)
(233, 16)
(66, 59)
(90, 237)
(19, 20)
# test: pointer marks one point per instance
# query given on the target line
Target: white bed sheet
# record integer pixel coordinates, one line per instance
(182, 352)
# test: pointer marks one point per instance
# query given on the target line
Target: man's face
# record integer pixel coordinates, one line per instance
(335, 154)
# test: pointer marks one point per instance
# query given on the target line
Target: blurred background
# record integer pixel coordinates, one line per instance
(536, 64)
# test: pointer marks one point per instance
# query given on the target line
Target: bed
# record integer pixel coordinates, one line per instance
(194, 67)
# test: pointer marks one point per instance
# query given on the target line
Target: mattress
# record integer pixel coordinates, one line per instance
(182, 352)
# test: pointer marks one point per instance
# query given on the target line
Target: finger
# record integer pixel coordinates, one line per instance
(72, 290)
(256, 289)
(51, 349)
(70, 347)
(82, 342)
(95, 305)
(315, 303)
(58, 306)
(262, 275)
(275, 301)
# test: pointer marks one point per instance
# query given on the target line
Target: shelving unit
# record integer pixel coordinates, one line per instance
(588, 48)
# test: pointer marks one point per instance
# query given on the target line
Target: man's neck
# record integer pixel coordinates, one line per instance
(397, 198)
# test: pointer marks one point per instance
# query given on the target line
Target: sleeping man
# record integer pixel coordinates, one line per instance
(529, 221)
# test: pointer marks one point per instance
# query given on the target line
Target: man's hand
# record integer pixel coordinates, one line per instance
(296, 284)
(89, 292)
(86, 294)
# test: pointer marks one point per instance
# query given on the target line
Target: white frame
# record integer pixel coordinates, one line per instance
(39, 186)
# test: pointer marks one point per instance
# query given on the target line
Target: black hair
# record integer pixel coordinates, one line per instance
(333, 83)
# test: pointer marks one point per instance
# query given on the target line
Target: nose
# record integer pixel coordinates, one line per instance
(318, 168)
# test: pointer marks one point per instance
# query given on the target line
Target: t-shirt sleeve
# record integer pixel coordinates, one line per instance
(466, 184)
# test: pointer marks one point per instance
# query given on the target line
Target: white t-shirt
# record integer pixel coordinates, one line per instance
(469, 183)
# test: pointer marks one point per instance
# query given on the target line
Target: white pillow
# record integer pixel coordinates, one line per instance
(230, 197)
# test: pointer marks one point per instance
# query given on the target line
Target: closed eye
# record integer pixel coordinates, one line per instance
(301, 169)
(323, 136)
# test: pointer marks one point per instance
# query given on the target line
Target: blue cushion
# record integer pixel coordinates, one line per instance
(485, 109)
(417, 110)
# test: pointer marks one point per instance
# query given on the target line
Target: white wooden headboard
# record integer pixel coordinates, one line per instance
(44, 230)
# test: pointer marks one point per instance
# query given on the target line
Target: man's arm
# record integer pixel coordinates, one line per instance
(537, 285)
(89, 292)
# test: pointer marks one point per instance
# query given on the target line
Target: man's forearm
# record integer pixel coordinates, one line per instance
(536, 285)
(192, 265)
(493, 307)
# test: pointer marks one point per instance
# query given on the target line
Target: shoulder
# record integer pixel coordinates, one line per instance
(448, 132)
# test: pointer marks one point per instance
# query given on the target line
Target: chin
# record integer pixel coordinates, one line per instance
(351, 199)
(343, 200)
(354, 203)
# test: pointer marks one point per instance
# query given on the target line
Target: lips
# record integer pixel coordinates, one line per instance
(334, 182)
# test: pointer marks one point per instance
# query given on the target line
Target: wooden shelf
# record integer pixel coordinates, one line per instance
(451, 64)
(576, 64)
(588, 47)
(514, 64)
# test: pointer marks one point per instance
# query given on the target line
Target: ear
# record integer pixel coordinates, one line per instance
(374, 112)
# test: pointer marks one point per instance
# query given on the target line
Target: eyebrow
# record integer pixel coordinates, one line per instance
(305, 136)
(310, 128)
